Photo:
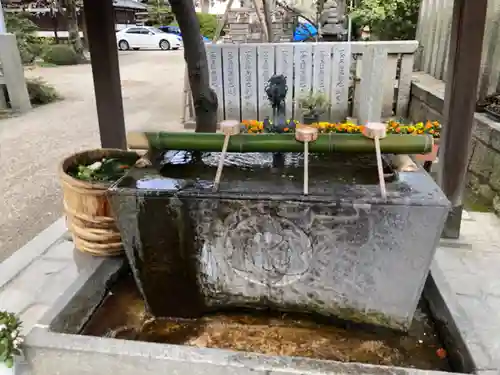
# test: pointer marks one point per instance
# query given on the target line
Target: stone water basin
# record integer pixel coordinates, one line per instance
(259, 243)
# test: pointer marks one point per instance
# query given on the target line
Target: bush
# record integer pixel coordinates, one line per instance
(61, 54)
(388, 19)
(30, 46)
(208, 24)
(40, 92)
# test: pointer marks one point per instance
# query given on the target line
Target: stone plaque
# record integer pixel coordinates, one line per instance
(248, 79)
(231, 76)
(302, 82)
(214, 55)
(284, 65)
(265, 62)
(322, 68)
(340, 80)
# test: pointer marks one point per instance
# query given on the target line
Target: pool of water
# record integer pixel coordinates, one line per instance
(123, 315)
(180, 169)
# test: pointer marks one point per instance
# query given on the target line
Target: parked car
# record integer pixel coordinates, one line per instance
(176, 31)
(136, 37)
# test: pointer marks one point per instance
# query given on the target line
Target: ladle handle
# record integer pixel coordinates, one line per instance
(380, 168)
(306, 168)
(218, 175)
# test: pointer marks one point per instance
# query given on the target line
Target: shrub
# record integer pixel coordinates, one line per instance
(41, 92)
(61, 54)
(388, 19)
(208, 24)
(10, 338)
(30, 46)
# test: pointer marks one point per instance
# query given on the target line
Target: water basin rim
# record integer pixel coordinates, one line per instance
(186, 194)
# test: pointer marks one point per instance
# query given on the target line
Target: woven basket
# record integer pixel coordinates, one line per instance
(88, 213)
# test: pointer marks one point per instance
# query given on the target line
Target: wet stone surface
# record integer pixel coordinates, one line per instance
(260, 243)
(123, 315)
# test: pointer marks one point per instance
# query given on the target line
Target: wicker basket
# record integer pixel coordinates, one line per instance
(88, 213)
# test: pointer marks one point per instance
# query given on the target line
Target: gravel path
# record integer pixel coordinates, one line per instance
(33, 145)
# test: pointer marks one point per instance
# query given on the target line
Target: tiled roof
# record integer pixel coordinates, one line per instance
(131, 4)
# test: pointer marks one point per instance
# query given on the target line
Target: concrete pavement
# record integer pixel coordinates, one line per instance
(33, 145)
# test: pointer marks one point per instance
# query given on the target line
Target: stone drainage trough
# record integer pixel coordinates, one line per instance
(54, 346)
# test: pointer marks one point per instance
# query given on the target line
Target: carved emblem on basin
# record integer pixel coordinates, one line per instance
(268, 250)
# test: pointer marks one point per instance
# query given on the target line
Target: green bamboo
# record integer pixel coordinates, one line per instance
(332, 142)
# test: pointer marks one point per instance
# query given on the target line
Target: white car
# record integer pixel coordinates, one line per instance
(146, 37)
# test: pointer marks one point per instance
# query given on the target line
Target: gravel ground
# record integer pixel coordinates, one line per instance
(33, 145)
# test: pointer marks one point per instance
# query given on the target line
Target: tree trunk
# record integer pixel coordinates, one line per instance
(268, 21)
(205, 99)
(69, 8)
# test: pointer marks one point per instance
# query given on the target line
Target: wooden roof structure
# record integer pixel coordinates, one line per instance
(460, 96)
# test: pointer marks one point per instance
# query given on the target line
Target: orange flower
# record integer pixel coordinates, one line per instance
(441, 353)
(428, 125)
(286, 129)
(398, 130)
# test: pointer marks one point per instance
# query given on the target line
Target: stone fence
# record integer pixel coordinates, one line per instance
(427, 100)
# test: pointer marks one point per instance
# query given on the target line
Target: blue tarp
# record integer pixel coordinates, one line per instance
(304, 31)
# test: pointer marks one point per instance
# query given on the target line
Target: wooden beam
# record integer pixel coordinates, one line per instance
(100, 19)
(467, 32)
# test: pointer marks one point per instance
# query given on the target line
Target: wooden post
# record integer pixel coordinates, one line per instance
(99, 16)
(464, 62)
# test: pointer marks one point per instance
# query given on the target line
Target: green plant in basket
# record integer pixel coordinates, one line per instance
(10, 338)
(105, 170)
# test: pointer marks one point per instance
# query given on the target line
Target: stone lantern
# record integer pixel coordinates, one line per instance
(332, 21)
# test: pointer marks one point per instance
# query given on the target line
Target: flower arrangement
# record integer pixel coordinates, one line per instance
(393, 127)
(10, 338)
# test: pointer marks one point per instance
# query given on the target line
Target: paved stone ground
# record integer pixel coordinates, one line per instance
(36, 275)
(471, 266)
(32, 145)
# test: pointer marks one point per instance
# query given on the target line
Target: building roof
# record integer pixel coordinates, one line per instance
(130, 4)
(32, 6)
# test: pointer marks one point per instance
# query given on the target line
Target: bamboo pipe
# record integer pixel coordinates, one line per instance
(212, 142)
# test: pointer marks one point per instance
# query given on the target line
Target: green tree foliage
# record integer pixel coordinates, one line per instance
(24, 29)
(69, 9)
(159, 14)
(388, 19)
(208, 24)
